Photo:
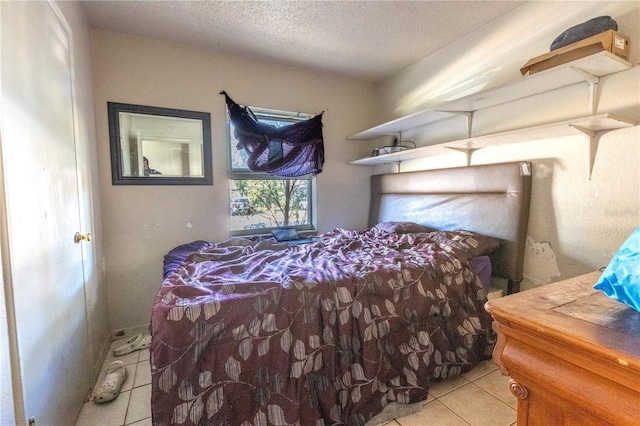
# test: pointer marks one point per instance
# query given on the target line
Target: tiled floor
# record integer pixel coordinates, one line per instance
(133, 405)
(479, 397)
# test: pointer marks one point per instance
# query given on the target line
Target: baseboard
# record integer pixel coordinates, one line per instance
(105, 346)
(130, 331)
(104, 350)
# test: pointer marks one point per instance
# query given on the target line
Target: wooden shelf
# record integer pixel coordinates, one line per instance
(591, 126)
(588, 69)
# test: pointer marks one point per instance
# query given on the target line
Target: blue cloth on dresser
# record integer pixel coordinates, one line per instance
(621, 278)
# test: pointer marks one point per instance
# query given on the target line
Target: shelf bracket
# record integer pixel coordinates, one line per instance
(468, 114)
(468, 151)
(594, 88)
(594, 140)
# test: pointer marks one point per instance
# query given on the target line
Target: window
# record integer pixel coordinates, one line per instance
(259, 202)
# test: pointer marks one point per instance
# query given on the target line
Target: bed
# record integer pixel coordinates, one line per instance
(253, 332)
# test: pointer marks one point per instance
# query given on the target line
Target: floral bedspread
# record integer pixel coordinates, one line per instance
(328, 333)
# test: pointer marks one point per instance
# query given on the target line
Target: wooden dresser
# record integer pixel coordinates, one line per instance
(573, 354)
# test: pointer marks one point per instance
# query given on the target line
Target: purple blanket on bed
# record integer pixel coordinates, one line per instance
(316, 334)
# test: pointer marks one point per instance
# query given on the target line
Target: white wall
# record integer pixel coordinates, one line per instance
(576, 223)
(493, 55)
(144, 222)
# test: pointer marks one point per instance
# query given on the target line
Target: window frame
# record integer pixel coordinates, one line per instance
(246, 174)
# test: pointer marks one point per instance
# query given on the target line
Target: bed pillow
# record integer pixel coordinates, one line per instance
(469, 242)
(402, 227)
(621, 278)
(176, 256)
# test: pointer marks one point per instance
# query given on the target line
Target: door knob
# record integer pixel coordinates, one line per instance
(81, 237)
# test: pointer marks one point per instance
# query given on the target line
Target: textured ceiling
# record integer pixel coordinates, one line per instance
(368, 40)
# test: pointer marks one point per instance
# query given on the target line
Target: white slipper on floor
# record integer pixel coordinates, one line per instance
(114, 377)
(136, 343)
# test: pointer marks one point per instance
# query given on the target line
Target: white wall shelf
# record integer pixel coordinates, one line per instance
(588, 69)
(592, 126)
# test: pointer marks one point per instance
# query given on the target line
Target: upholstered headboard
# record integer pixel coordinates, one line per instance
(488, 199)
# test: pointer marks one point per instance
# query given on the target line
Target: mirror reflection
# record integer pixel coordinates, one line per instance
(151, 145)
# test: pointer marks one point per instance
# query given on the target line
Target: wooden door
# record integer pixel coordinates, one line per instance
(43, 213)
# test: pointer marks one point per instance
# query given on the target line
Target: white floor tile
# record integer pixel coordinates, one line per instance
(437, 389)
(144, 355)
(433, 413)
(498, 385)
(477, 407)
(143, 374)
(480, 370)
(131, 374)
(108, 414)
(139, 404)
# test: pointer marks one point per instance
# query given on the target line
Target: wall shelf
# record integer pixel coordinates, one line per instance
(588, 69)
(592, 126)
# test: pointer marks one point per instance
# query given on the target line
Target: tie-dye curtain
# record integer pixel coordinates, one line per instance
(293, 150)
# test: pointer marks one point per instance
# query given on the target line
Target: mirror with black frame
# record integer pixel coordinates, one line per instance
(159, 146)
